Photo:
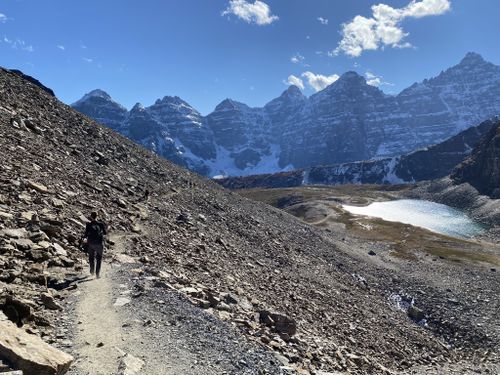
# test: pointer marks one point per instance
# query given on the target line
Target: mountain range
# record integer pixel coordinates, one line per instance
(429, 163)
(348, 121)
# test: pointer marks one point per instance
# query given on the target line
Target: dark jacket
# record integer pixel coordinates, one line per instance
(91, 234)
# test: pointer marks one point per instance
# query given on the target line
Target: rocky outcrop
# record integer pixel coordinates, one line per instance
(482, 168)
(34, 81)
(346, 122)
(426, 164)
(30, 354)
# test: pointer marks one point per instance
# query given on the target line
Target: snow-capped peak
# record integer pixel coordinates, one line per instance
(98, 93)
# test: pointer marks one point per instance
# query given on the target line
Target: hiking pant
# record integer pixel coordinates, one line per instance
(95, 252)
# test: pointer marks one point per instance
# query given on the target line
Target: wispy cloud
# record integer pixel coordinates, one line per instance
(83, 46)
(384, 27)
(323, 21)
(257, 12)
(375, 80)
(61, 47)
(88, 60)
(3, 18)
(295, 81)
(297, 58)
(18, 44)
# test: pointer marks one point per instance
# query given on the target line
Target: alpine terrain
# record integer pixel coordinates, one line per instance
(430, 163)
(347, 121)
(200, 280)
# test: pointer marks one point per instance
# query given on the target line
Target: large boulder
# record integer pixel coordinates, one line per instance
(278, 322)
(30, 354)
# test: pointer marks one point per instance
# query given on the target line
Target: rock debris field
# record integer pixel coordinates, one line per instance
(197, 280)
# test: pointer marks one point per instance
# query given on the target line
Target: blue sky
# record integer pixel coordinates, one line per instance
(207, 50)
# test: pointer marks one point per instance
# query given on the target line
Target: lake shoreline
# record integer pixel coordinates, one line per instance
(429, 215)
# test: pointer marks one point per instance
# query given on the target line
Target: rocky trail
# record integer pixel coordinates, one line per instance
(99, 333)
(205, 281)
(116, 335)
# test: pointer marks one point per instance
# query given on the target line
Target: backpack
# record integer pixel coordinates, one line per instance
(95, 232)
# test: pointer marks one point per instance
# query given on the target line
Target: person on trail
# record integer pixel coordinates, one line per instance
(94, 234)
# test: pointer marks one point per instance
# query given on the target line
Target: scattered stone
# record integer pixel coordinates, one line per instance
(121, 301)
(279, 322)
(49, 302)
(415, 313)
(130, 365)
(14, 233)
(30, 354)
(38, 187)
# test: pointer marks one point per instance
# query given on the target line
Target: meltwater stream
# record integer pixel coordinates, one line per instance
(429, 215)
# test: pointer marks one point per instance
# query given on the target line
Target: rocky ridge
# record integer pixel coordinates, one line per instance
(287, 287)
(482, 168)
(431, 163)
(346, 122)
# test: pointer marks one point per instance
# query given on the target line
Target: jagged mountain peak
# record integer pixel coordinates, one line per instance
(351, 75)
(138, 107)
(230, 105)
(346, 83)
(347, 121)
(350, 78)
(97, 93)
(472, 58)
(171, 100)
(293, 91)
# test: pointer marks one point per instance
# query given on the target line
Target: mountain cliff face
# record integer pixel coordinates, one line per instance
(346, 122)
(482, 168)
(425, 164)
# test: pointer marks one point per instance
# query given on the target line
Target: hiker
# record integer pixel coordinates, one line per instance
(94, 234)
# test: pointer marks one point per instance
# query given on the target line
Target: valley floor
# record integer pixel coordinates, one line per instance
(453, 281)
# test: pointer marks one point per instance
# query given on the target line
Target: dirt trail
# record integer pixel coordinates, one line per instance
(104, 337)
(158, 333)
(99, 331)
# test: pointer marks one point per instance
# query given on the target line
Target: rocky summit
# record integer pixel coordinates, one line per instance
(199, 280)
(347, 121)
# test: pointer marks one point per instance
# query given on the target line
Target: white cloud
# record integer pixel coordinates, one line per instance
(317, 81)
(257, 12)
(18, 44)
(374, 80)
(323, 21)
(3, 18)
(83, 46)
(297, 58)
(294, 80)
(86, 59)
(61, 47)
(384, 27)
